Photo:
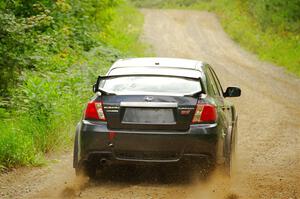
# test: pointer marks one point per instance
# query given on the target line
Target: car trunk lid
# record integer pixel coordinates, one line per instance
(163, 113)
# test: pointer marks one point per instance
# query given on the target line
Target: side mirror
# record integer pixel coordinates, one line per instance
(232, 92)
(96, 85)
(95, 88)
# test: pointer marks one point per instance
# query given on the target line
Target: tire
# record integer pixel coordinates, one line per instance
(75, 149)
(229, 164)
(89, 170)
(75, 154)
(230, 158)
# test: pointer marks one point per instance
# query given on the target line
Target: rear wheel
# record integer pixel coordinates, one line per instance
(229, 164)
(88, 170)
(230, 159)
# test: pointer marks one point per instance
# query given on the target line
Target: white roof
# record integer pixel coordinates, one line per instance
(159, 62)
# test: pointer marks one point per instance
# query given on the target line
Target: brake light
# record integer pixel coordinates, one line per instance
(205, 113)
(94, 110)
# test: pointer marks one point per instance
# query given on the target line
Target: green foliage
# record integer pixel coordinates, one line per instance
(12, 153)
(51, 53)
(17, 37)
(269, 28)
(270, 42)
(32, 32)
(124, 37)
(277, 14)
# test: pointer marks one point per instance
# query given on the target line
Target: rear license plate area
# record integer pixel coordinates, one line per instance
(148, 116)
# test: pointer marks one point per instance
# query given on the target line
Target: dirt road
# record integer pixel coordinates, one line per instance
(268, 153)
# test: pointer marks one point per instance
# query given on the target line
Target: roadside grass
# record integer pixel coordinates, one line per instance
(279, 47)
(124, 32)
(48, 103)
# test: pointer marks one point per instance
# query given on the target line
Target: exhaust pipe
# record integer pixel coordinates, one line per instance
(103, 161)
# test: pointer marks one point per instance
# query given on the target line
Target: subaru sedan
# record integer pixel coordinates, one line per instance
(156, 110)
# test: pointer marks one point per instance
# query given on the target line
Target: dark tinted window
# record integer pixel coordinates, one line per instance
(217, 82)
(211, 84)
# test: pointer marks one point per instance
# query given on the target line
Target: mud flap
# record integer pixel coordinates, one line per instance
(220, 158)
(76, 149)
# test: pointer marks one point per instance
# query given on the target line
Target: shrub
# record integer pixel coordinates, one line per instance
(51, 53)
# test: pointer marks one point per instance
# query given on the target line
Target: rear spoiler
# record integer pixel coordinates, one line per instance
(104, 92)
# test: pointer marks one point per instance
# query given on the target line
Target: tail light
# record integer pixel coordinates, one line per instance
(205, 113)
(95, 111)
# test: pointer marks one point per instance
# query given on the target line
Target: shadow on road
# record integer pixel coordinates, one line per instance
(158, 174)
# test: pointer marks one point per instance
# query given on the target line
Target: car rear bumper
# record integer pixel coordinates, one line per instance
(96, 142)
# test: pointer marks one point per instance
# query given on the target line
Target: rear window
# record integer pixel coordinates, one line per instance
(150, 84)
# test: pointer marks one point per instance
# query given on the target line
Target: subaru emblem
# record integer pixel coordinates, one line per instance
(148, 98)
